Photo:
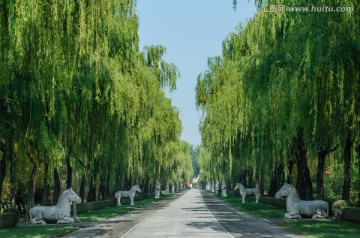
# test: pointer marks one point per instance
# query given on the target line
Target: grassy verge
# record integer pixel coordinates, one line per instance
(305, 227)
(323, 229)
(103, 213)
(52, 231)
(48, 231)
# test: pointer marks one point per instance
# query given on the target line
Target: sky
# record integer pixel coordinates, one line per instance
(191, 31)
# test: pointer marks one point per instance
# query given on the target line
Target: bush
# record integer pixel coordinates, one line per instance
(280, 202)
(90, 206)
(9, 217)
(351, 214)
(337, 208)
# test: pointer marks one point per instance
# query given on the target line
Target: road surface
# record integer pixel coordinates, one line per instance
(194, 213)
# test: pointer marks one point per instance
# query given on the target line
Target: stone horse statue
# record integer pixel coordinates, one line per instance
(297, 207)
(127, 194)
(247, 191)
(59, 213)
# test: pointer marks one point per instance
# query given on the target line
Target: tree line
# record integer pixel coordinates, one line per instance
(81, 105)
(282, 103)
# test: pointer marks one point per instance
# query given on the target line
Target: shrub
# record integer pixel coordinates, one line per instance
(337, 208)
(9, 217)
(351, 214)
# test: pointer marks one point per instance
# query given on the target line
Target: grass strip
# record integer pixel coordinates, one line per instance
(107, 212)
(45, 231)
(57, 230)
(305, 227)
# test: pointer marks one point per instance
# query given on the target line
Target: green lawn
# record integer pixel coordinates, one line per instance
(46, 231)
(305, 227)
(323, 229)
(50, 231)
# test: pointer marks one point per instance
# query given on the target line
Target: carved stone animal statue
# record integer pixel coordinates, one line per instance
(297, 208)
(127, 194)
(157, 189)
(59, 213)
(247, 191)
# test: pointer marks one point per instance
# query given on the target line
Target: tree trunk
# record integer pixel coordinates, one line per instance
(3, 108)
(92, 192)
(102, 185)
(12, 159)
(107, 183)
(303, 183)
(290, 165)
(83, 181)
(320, 173)
(92, 188)
(347, 168)
(69, 170)
(45, 193)
(147, 188)
(322, 153)
(358, 176)
(2, 169)
(82, 188)
(57, 186)
(32, 183)
(277, 179)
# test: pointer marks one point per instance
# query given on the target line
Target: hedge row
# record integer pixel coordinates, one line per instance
(351, 214)
(280, 202)
(9, 218)
(90, 206)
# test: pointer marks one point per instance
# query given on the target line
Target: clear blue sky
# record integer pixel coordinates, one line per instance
(191, 31)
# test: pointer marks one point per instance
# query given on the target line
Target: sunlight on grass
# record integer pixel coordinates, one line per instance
(323, 229)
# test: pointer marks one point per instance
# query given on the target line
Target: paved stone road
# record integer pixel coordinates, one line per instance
(241, 224)
(187, 216)
(193, 214)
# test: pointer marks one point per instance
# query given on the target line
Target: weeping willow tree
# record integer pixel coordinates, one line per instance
(81, 105)
(282, 95)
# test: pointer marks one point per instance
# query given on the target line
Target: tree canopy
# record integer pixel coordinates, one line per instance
(282, 101)
(81, 105)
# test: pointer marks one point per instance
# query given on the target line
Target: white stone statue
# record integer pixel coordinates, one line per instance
(127, 194)
(247, 191)
(212, 187)
(297, 207)
(157, 189)
(59, 213)
(223, 189)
